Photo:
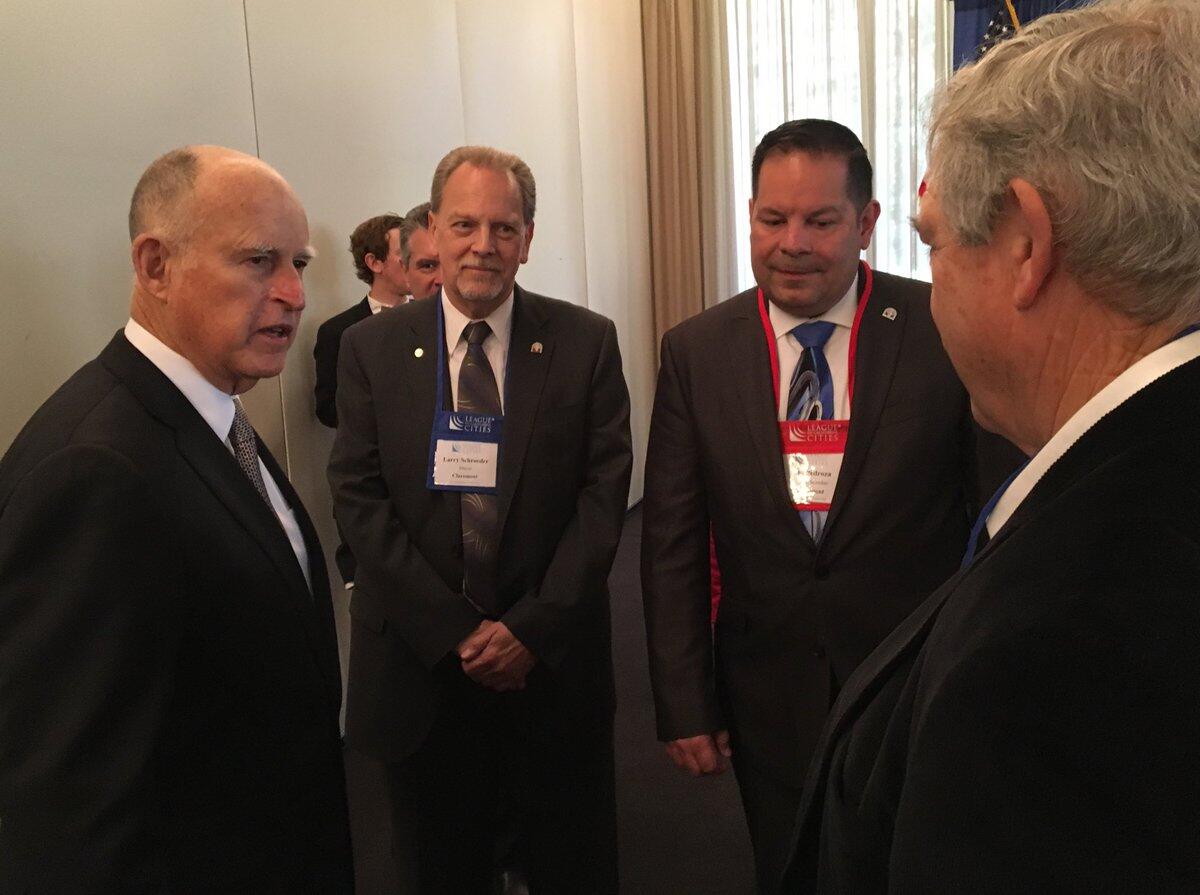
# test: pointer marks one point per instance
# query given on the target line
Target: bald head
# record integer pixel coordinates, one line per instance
(219, 247)
(163, 195)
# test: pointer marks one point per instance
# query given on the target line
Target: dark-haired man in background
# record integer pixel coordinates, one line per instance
(375, 246)
(815, 572)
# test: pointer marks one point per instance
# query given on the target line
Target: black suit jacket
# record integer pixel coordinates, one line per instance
(325, 353)
(1034, 726)
(795, 618)
(564, 482)
(168, 685)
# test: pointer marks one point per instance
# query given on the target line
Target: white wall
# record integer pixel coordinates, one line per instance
(354, 104)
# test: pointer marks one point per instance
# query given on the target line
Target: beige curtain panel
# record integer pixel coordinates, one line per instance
(688, 151)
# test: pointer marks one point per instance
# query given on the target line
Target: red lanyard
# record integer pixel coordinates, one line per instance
(773, 349)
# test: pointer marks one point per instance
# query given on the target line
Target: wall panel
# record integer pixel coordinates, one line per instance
(92, 93)
(355, 105)
(517, 60)
(612, 153)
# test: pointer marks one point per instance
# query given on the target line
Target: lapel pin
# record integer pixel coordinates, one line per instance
(535, 348)
(889, 313)
(419, 352)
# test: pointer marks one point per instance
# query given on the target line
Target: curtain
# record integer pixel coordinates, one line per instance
(693, 264)
(869, 64)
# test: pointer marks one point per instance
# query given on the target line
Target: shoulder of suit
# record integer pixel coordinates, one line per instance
(92, 409)
(564, 312)
(399, 319)
(900, 288)
(343, 319)
(715, 321)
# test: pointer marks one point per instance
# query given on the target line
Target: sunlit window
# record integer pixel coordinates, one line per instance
(871, 66)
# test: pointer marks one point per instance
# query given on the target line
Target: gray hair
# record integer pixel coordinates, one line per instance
(417, 218)
(163, 186)
(486, 157)
(1098, 108)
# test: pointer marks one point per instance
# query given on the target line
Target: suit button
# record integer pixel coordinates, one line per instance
(821, 573)
(818, 652)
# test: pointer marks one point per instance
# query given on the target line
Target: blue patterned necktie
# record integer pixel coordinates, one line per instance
(810, 396)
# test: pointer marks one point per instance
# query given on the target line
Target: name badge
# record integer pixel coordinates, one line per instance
(812, 456)
(464, 452)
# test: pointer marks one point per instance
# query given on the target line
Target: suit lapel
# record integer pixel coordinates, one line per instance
(214, 464)
(524, 379)
(320, 624)
(750, 370)
(879, 340)
(422, 382)
(860, 687)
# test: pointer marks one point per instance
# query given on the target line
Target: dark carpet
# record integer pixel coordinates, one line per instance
(678, 834)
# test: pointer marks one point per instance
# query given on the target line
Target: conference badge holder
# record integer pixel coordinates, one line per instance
(464, 448)
(813, 449)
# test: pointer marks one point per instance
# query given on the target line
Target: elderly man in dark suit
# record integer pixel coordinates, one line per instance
(480, 475)
(1034, 726)
(831, 367)
(169, 685)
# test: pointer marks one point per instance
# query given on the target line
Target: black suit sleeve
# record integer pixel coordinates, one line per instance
(432, 618)
(1014, 783)
(577, 576)
(675, 564)
(86, 652)
(325, 353)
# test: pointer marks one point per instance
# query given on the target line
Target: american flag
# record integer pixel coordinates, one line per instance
(1003, 25)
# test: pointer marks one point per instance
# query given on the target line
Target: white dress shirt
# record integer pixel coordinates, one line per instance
(1153, 366)
(377, 306)
(216, 407)
(495, 346)
(837, 349)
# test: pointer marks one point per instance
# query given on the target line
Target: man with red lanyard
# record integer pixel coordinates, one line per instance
(815, 425)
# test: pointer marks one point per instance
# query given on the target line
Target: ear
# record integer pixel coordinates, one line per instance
(528, 240)
(1031, 241)
(373, 264)
(150, 255)
(866, 223)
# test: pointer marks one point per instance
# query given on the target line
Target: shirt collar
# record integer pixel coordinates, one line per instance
(500, 320)
(1153, 366)
(377, 306)
(841, 314)
(210, 402)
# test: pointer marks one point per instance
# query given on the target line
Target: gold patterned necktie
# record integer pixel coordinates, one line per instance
(477, 393)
